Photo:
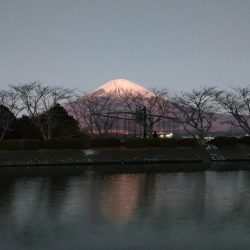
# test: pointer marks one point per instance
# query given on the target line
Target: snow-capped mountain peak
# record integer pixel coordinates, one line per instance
(119, 86)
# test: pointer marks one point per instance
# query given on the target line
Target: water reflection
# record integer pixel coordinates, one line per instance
(120, 195)
(116, 211)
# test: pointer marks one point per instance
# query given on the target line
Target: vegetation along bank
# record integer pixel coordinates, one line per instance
(112, 151)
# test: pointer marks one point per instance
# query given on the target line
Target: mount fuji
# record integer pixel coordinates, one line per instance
(117, 87)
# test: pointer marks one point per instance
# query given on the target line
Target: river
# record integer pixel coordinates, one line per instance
(70, 208)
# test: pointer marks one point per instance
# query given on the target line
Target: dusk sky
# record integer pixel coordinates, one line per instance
(177, 44)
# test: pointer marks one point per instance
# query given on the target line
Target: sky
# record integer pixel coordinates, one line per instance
(173, 44)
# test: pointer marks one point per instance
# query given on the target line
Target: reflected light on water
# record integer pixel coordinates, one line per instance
(120, 196)
(126, 211)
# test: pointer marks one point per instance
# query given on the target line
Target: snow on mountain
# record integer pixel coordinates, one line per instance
(119, 86)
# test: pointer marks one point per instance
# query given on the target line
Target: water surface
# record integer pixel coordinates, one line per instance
(69, 208)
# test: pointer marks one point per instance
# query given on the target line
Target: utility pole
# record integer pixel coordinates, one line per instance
(141, 116)
(144, 112)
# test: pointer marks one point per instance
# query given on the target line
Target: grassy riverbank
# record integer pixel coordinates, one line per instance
(100, 151)
(111, 151)
(94, 142)
(109, 156)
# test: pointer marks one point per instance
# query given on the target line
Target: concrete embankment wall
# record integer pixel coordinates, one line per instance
(236, 157)
(104, 155)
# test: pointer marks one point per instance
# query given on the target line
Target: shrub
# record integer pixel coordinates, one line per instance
(104, 142)
(29, 144)
(157, 142)
(25, 144)
(244, 140)
(224, 141)
(188, 142)
(135, 143)
(64, 144)
(9, 145)
(33, 144)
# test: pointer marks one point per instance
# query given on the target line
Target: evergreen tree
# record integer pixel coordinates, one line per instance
(24, 128)
(6, 121)
(62, 125)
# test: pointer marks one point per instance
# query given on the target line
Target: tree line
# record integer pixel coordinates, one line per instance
(34, 110)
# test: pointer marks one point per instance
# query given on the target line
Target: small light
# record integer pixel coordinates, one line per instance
(170, 135)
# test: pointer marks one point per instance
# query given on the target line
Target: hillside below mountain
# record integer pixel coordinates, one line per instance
(118, 87)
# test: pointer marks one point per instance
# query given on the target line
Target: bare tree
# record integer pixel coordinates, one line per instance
(156, 106)
(94, 112)
(196, 111)
(236, 103)
(38, 101)
(99, 113)
(81, 110)
(9, 109)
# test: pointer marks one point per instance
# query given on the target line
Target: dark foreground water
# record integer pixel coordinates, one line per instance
(73, 209)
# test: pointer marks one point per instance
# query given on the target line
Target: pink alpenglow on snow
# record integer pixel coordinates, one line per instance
(117, 87)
